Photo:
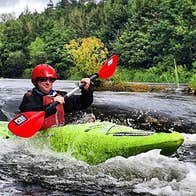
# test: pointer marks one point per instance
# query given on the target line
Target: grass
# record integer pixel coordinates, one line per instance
(130, 87)
(137, 80)
(192, 84)
(177, 81)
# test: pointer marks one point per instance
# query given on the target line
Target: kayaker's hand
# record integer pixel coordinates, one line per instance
(86, 82)
(59, 99)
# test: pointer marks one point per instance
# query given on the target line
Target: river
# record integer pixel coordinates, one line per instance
(27, 168)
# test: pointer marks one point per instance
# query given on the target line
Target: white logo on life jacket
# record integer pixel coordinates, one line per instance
(20, 119)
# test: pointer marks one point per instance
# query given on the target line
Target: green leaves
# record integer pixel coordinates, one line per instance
(37, 52)
(143, 33)
(87, 54)
(15, 64)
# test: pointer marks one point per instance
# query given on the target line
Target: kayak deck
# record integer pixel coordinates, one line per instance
(98, 141)
(4, 132)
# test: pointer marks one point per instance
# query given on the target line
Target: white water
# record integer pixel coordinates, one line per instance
(149, 173)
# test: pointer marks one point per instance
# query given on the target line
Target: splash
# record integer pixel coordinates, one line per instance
(150, 173)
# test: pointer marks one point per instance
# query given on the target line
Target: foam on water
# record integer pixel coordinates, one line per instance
(166, 176)
(190, 139)
(149, 173)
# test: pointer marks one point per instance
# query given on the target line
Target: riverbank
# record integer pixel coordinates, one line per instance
(145, 87)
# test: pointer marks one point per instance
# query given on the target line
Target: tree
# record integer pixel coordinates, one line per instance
(87, 55)
(14, 65)
(158, 32)
(37, 52)
(114, 18)
(80, 18)
(50, 5)
(6, 17)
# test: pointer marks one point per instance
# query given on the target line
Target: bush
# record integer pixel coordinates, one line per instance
(27, 73)
(158, 73)
(192, 82)
(87, 54)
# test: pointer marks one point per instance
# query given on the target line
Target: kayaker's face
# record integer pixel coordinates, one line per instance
(45, 84)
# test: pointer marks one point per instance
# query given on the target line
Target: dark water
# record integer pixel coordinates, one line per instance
(28, 167)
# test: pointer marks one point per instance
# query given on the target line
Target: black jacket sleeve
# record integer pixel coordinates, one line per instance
(31, 103)
(79, 102)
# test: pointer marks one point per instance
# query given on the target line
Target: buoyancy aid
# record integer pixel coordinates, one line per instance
(56, 119)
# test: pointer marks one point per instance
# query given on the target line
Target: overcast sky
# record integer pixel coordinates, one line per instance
(18, 6)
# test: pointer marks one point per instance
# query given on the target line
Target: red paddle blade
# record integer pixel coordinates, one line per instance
(26, 124)
(109, 67)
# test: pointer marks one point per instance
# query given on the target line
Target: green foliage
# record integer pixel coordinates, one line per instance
(156, 30)
(192, 83)
(113, 20)
(63, 69)
(15, 63)
(79, 20)
(36, 47)
(147, 35)
(27, 73)
(176, 74)
(158, 73)
(137, 49)
(37, 52)
(54, 40)
(87, 54)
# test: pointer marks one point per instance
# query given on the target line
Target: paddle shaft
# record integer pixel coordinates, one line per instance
(81, 85)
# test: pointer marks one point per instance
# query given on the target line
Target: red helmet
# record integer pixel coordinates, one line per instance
(43, 71)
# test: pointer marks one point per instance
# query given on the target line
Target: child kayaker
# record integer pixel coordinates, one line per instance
(43, 94)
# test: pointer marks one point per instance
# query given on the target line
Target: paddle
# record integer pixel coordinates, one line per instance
(29, 123)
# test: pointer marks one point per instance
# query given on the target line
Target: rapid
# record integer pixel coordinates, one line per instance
(28, 167)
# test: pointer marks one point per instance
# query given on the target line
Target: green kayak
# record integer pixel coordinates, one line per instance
(98, 141)
(4, 132)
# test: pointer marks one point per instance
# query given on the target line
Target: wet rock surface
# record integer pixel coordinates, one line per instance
(154, 111)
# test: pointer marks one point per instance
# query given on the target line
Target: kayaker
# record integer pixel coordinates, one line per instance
(43, 94)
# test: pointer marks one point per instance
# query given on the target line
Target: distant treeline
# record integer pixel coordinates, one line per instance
(147, 35)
